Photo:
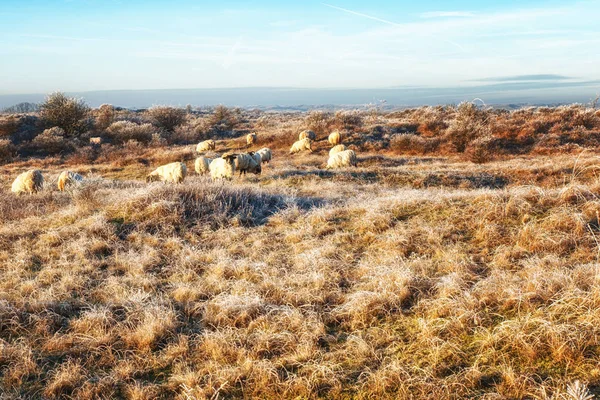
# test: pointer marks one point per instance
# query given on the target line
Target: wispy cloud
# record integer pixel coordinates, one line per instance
(525, 78)
(448, 14)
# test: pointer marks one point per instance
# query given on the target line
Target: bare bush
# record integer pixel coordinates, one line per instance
(469, 123)
(105, 116)
(123, 131)
(167, 118)
(52, 141)
(65, 112)
(348, 120)
(320, 122)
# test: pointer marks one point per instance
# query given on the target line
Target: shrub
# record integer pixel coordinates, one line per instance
(408, 143)
(167, 118)
(480, 150)
(7, 149)
(65, 112)
(21, 108)
(123, 131)
(105, 115)
(469, 123)
(52, 141)
(8, 125)
(320, 122)
(222, 119)
(348, 120)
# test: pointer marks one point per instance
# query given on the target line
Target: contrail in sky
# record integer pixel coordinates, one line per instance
(385, 21)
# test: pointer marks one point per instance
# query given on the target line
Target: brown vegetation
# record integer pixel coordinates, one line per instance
(458, 260)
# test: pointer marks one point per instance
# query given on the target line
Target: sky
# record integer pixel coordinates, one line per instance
(85, 45)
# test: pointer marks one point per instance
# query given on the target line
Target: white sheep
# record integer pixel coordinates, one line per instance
(28, 182)
(265, 155)
(223, 168)
(206, 146)
(251, 139)
(68, 178)
(307, 134)
(335, 138)
(246, 162)
(172, 173)
(96, 141)
(342, 159)
(336, 149)
(304, 144)
(201, 165)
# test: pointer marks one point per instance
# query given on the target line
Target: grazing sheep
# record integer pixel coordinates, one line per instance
(265, 155)
(335, 138)
(304, 144)
(307, 134)
(206, 146)
(68, 178)
(336, 149)
(28, 182)
(342, 159)
(172, 173)
(95, 140)
(223, 168)
(246, 162)
(201, 165)
(251, 139)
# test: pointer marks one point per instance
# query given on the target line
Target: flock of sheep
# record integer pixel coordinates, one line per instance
(223, 167)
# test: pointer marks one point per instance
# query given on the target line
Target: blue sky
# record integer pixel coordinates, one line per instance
(80, 45)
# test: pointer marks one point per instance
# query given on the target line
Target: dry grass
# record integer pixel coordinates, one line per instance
(407, 277)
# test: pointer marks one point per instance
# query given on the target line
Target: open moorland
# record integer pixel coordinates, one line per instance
(459, 259)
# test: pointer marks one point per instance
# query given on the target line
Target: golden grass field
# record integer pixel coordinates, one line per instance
(418, 274)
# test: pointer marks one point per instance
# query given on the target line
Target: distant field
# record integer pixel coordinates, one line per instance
(458, 260)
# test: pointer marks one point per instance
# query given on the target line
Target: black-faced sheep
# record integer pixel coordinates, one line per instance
(247, 162)
(223, 168)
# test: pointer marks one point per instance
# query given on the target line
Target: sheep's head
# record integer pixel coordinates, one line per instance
(230, 158)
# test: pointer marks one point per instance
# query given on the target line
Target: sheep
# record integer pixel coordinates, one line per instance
(336, 149)
(172, 173)
(28, 182)
(206, 146)
(247, 162)
(201, 165)
(304, 144)
(95, 141)
(342, 159)
(265, 155)
(335, 138)
(223, 168)
(307, 134)
(68, 178)
(251, 139)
